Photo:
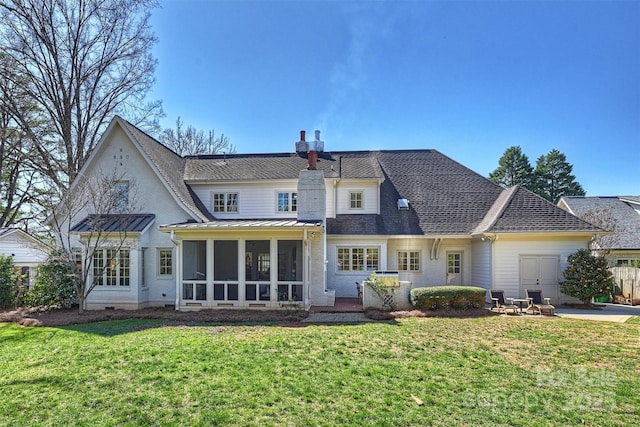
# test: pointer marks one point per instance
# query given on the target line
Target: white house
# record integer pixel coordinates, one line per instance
(261, 230)
(27, 251)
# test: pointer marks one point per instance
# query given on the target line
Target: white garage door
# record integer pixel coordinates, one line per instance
(540, 272)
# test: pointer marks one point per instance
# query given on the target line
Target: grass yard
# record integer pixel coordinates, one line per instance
(484, 371)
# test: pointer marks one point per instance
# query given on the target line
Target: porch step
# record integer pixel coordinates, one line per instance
(342, 305)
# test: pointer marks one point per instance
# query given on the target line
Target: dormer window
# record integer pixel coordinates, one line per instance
(355, 199)
(225, 202)
(287, 202)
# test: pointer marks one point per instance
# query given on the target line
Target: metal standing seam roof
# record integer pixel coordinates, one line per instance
(114, 223)
(240, 224)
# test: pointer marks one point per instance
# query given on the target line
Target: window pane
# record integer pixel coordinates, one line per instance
(290, 260)
(250, 292)
(414, 261)
(283, 202)
(402, 261)
(356, 199)
(294, 202)
(218, 291)
(112, 267)
(225, 260)
(357, 259)
(218, 202)
(201, 291)
(122, 194)
(232, 202)
(166, 262)
(232, 292)
(372, 259)
(296, 291)
(98, 266)
(265, 292)
(187, 291)
(343, 259)
(124, 267)
(194, 260)
(283, 292)
(257, 260)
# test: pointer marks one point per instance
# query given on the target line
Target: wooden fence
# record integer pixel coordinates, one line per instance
(627, 284)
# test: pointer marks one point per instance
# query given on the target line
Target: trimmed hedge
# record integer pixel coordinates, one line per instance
(439, 297)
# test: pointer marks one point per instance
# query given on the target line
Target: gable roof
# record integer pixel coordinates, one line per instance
(525, 211)
(6, 232)
(170, 168)
(445, 197)
(624, 211)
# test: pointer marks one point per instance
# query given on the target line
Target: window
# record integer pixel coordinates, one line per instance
(358, 259)
(122, 195)
(355, 199)
(225, 202)
(454, 263)
(165, 262)
(77, 258)
(111, 267)
(287, 202)
(409, 260)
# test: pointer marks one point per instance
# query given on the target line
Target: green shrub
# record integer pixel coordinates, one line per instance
(8, 282)
(53, 286)
(587, 277)
(440, 297)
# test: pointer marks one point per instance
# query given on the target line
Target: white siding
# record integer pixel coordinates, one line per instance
(481, 269)
(256, 199)
(25, 251)
(509, 249)
(370, 197)
(117, 154)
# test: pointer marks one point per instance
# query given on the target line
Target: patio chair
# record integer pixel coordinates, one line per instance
(359, 289)
(536, 304)
(502, 304)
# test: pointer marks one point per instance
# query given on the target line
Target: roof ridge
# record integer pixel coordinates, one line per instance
(496, 210)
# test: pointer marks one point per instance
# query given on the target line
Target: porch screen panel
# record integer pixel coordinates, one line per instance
(257, 260)
(290, 260)
(194, 260)
(225, 260)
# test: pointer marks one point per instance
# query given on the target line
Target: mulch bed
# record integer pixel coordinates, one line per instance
(29, 317)
(62, 317)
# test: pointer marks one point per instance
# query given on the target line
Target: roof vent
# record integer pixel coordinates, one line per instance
(403, 204)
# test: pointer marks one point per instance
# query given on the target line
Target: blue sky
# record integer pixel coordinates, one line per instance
(467, 78)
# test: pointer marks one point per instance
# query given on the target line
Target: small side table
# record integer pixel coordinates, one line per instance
(520, 301)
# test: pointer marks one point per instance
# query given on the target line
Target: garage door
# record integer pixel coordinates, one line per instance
(540, 272)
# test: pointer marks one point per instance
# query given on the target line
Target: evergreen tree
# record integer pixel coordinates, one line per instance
(553, 178)
(513, 169)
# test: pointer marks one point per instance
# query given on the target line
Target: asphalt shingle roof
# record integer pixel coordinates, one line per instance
(445, 197)
(171, 168)
(624, 212)
(528, 212)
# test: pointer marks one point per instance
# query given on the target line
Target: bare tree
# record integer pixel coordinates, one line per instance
(93, 219)
(79, 62)
(189, 141)
(20, 183)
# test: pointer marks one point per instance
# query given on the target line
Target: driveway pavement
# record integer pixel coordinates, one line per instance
(608, 313)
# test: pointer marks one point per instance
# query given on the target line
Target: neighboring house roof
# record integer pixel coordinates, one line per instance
(23, 245)
(114, 223)
(624, 212)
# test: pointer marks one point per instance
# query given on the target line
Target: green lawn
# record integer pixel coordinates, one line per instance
(485, 371)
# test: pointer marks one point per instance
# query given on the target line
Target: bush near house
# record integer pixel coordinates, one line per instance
(53, 286)
(587, 277)
(439, 297)
(8, 282)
